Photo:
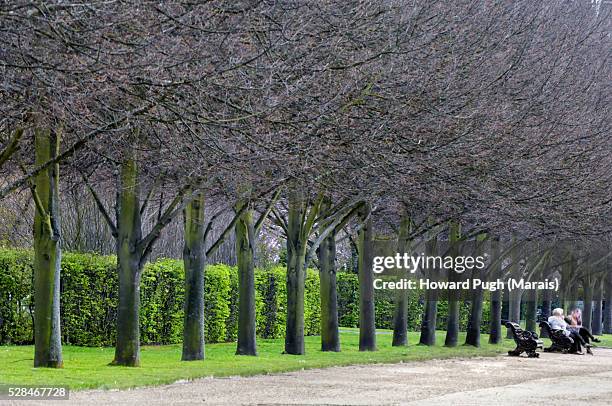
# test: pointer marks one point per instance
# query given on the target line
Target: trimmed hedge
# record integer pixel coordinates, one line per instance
(348, 307)
(16, 319)
(89, 301)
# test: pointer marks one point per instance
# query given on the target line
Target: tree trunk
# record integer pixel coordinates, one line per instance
(565, 302)
(354, 268)
(430, 307)
(400, 318)
(607, 327)
(47, 256)
(514, 308)
(495, 328)
(296, 256)
(194, 261)
(495, 331)
(367, 327)
(452, 325)
(430, 316)
(587, 314)
(400, 314)
(569, 305)
(546, 310)
(531, 309)
(330, 337)
(245, 252)
(505, 311)
(597, 310)
(473, 329)
(567, 269)
(129, 256)
(562, 301)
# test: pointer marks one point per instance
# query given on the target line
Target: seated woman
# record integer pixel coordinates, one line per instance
(575, 324)
(557, 322)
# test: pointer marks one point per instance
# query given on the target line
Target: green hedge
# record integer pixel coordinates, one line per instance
(89, 301)
(15, 297)
(348, 307)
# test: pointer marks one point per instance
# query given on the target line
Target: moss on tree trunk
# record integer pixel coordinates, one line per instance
(400, 313)
(296, 257)
(475, 319)
(129, 256)
(194, 260)
(245, 253)
(330, 337)
(47, 256)
(367, 326)
(430, 307)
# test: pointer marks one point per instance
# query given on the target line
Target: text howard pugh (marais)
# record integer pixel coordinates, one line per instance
(468, 284)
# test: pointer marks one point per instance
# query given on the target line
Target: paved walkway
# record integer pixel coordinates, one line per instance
(553, 379)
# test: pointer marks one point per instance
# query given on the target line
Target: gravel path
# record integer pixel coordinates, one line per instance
(553, 379)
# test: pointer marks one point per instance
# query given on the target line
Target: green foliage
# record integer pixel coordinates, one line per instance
(282, 257)
(89, 290)
(348, 307)
(265, 304)
(271, 302)
(15, 297)
(232, 319)
(312, 304)
(347, 285)
(89, 295)
(217, 292)
(384, 304)
(161, 314)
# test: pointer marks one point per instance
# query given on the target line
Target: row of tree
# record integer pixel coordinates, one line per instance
(315, 123)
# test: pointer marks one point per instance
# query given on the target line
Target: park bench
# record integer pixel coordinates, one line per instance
(560, 342)
(526, 341)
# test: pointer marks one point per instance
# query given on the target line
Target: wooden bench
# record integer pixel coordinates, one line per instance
(526, 341)
(560, 342)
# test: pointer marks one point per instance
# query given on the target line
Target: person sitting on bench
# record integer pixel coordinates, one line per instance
(575, 324)
(557, 322)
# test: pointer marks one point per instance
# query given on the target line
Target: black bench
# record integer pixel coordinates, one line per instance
(526, 341)
(560, 342)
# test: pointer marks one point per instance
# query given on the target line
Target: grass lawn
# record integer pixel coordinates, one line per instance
(86, 367)
(606, 341)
